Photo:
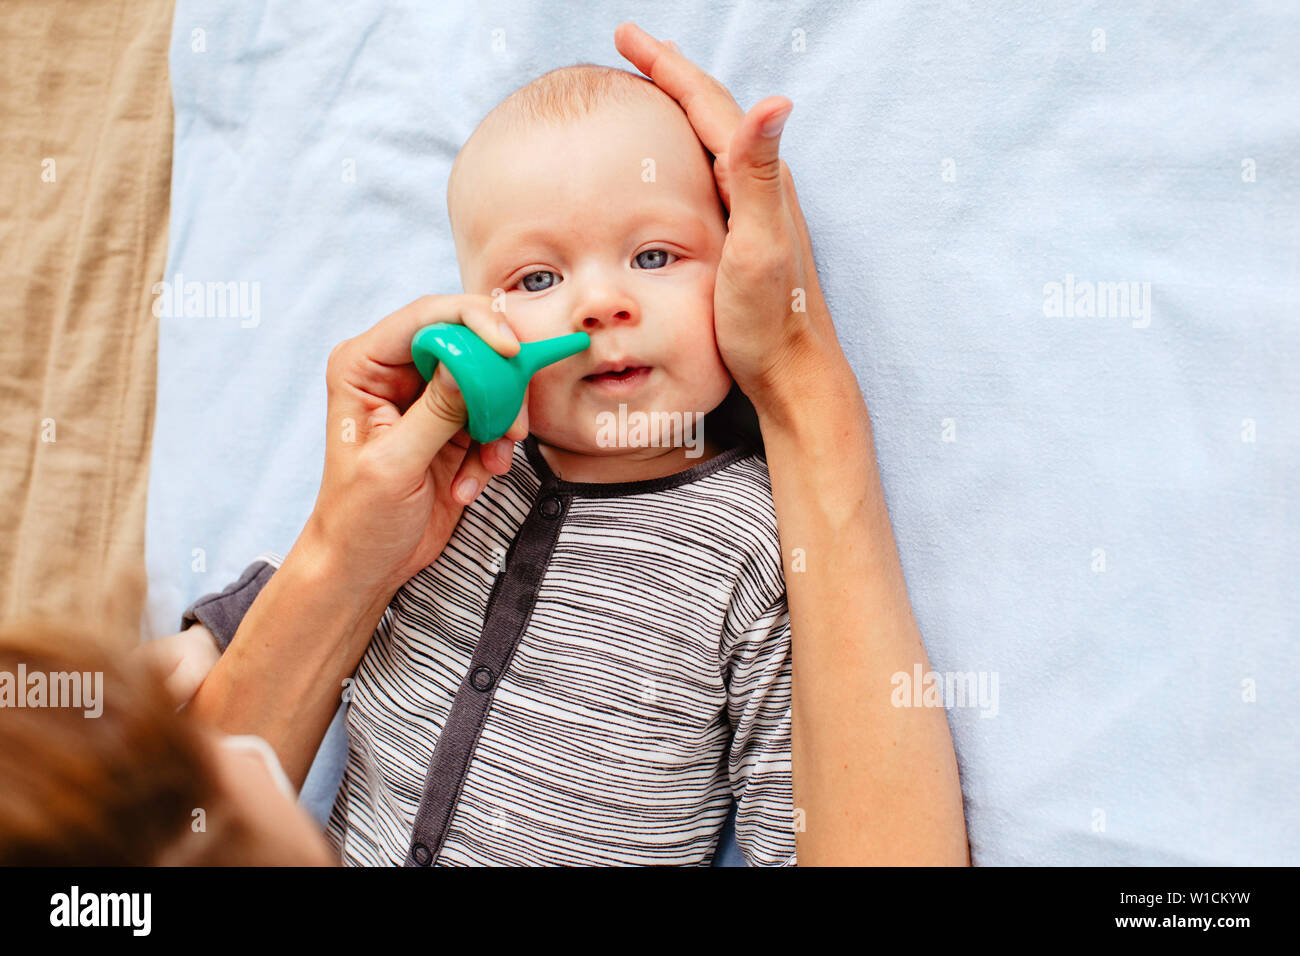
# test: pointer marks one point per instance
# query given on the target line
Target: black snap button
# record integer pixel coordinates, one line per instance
(481, 678)
(551, 507)
(421, 854)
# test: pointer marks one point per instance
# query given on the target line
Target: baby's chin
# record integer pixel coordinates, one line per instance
(619, 429)
(613, 451)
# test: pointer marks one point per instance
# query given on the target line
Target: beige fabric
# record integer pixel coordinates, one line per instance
(85, 101)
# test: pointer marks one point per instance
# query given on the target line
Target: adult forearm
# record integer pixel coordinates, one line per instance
(875, 783)
(281, 677)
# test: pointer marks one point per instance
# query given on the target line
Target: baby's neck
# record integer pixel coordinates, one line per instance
(638, 464)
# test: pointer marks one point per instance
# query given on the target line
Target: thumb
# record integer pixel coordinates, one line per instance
(429, 423)
(754, 179)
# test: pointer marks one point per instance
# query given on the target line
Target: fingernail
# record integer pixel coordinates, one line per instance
(467, 489)
(447, 379)
(775, 123)
(672, 46)
(507, 331)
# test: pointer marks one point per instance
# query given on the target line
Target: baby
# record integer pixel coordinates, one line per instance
(599, 662)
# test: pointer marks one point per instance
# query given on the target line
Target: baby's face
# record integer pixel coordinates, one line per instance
(609, 225)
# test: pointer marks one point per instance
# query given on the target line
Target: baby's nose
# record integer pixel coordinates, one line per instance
(597, 319)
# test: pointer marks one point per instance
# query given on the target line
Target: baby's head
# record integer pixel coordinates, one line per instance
(587, 199)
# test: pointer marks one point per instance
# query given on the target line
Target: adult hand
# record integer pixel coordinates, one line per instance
(857, 760)
(395, 449)
(770, 317)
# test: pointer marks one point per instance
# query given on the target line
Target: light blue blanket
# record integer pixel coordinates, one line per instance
(1061, 251)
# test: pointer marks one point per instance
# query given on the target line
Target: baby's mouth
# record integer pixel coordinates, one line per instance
(621, 374)
(621, 379)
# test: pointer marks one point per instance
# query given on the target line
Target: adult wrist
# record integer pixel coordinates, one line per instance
(809, 380)
(317, 567)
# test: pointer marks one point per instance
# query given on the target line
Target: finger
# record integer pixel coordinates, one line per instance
(494, 458)
(722, 175)
(184, 680)
(472, 477)
(709, 106)
(801, 227)
(389, 341)
(378, 362)
(449, 458)
(792, 203)
(519, 430)
(497, 455)
(755, 179)
(427, 426)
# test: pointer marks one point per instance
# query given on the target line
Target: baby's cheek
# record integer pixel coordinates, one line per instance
(707, 380)
(537, 413)
(545, 405)
(700, 348)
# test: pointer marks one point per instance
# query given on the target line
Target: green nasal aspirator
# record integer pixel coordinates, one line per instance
(493, 386)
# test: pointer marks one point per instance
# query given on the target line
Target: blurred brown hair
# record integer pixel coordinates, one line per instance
(118, 789)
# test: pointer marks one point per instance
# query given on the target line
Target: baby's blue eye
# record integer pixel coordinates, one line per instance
(658, 258)
(547, 279)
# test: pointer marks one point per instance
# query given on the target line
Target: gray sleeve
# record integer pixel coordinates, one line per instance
(221, 613)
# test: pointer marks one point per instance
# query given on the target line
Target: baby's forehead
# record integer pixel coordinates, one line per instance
(641, 135)
(650, 111)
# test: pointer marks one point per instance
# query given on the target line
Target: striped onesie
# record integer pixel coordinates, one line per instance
(588, 674)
